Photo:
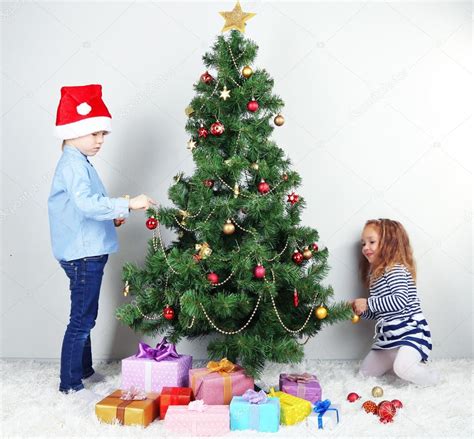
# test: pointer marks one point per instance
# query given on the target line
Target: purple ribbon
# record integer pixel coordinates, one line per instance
(254, 397)
(162, 351)
(301, 378)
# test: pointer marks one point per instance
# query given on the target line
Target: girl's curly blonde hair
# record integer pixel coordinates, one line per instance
(394, 248)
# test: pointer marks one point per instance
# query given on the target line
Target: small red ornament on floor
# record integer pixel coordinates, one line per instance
(259, 271)
(217, 128)
(202, 132)
(397, 403)
(168, 312)
(206, 77)
(386, 408)
(386, 419)
(293, 198)
(152, 223)
(370, 407)
(297, 257)
(263, 187)
(353, 397)
(252, 106)
(295, 298)
(213, 278)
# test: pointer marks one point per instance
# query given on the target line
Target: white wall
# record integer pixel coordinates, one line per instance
(377, 124)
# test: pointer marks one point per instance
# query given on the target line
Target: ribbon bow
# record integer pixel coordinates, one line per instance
(197, 406)
(223, 367)
(133, 394)
(254, 397)
(322, 406)
(163, 350)
(300, 378)
(204, 250)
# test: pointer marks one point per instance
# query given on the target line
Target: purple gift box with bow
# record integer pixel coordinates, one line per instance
(303, 385)
(151, 369)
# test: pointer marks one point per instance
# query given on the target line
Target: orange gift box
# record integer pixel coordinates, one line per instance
(174, 396)
(128, 412)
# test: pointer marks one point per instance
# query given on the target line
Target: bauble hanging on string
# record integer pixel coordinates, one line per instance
(202, 132)
(151, 223)
(228, 228)
(259, 271)
(213, 278)
(263, 187)
(355, 318)
(217, 128)
(168, 312)
(252, 106)
(254, 166)
(307, 253)
(297, 257)
(321, 312)
(279, 120)
(315, 247)
(247, 72)
(206, 77)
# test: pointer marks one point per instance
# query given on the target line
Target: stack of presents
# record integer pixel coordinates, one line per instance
(211, 401)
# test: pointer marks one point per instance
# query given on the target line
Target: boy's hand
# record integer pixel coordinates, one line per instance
(141, 202)
(119, 221)
(359, 306)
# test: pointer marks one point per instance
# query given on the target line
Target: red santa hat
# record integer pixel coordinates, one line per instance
(82, 111)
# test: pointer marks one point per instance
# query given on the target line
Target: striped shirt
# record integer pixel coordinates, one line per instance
(395, 304)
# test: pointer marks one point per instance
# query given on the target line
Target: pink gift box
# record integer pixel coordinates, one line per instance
(213, 420)
(215, 388)
(152, 375)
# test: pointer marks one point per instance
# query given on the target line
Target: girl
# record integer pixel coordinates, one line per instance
(82, 219)
(403, 338)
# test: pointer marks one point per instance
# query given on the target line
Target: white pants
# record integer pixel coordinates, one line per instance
(405, 363)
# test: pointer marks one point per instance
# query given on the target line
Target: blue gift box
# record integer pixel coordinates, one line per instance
(263, 417)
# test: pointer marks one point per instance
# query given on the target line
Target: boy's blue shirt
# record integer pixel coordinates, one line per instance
(80, 213)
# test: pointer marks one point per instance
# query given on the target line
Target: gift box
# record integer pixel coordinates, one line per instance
(325, 416)
(174, 396)
(255, 411)
(151, 369)
(198, 419)
(128, 408)
(304, 386)
(292, 408)
(217, 383)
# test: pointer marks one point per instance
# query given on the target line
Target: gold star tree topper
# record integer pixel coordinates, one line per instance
(236, 18)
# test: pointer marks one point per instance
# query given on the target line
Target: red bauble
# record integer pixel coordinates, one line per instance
(297, 257)
(217, 128)
(208, 183)
(353, 397)
(152, 223)
(252, 106)
(263, 187)
(213, 278)
(168, 312)
(293, 198)
(206, 77)
(259, 271)
(202, 132)
(315, 247)
(295, 298)
(397, 403)
(370, 407)
(386, 419)
(386, 408)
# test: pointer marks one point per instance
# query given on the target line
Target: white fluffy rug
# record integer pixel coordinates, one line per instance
(33, 407)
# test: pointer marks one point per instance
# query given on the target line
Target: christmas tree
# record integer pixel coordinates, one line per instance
(242, 266)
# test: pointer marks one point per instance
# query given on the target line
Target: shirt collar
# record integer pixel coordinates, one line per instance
(74, 151)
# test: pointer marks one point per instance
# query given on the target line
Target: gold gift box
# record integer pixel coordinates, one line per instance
(128, 412)
(292, 408)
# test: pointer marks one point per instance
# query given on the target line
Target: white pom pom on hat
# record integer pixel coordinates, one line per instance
(81, 111)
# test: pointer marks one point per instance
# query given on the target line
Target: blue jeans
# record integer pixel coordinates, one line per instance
(85, 278)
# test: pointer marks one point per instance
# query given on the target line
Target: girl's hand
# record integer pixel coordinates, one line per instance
(119, 221)
(359, 306)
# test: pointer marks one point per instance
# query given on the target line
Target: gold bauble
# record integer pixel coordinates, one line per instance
(307, 253)
(228, 228)
(247, 72)
(377, 392)
(189, 111)
(254, 166)
(279, 120)
(321, 312)
(355, 318)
